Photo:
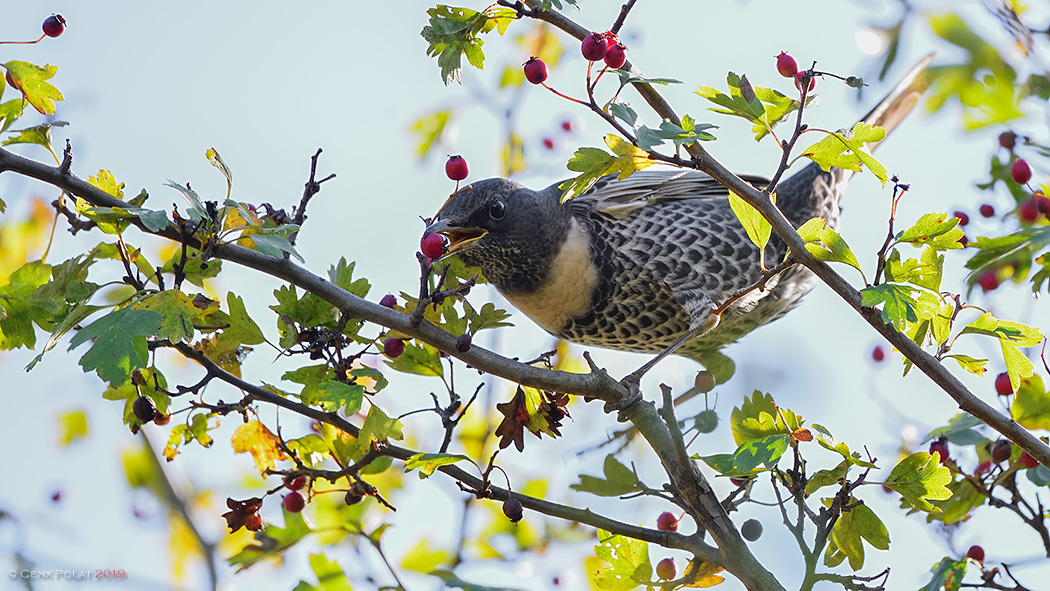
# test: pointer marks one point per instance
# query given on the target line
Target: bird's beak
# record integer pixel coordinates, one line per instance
(459, 238)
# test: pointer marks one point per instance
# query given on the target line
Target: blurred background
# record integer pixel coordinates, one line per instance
(150, 86)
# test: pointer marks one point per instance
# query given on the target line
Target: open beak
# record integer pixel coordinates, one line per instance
(459, 238)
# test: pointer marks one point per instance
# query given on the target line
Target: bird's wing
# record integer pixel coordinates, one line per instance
(618, 198)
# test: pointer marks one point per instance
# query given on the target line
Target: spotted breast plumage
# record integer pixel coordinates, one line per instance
(636, 264)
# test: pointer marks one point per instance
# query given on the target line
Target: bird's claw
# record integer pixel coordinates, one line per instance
(632, 384)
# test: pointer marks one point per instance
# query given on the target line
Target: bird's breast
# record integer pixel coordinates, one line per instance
(567, 292)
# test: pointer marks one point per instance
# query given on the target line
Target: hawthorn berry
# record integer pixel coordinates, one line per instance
(594, 47)
(987, 210)
(616, 57)
(548, 143)
(535, 70)
(963, 218)
(57, 496)
(878, 354)
(1021, 172)
(566, 125)
(939, 447)
(54, 25)
(1008, 139)
(1001, 451)
(976, 553)
(738, 482)
(666, 570)
(1029, 210)
(456, 168)
(393, 348)
(144, 409)
(786, 65)
(751, 530)
(989, 280)
(295, 482)
(704, 381)
(161, 419)
(1042, 203)
(666, 521)
(432, 245)
(706, 421)
(798, 81)
(513, 510)
(983, 467)
(1028, 461)
(1003, 387)
(463, 342)
(389, 301)
(294, 502)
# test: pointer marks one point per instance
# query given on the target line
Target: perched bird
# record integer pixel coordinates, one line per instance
(640, 264)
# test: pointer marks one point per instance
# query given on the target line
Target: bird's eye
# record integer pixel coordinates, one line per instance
(497, 210)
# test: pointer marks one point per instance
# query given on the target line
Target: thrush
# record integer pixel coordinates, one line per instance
(640, 264)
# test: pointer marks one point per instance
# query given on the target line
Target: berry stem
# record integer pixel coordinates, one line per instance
(42, 37)
(564, 96)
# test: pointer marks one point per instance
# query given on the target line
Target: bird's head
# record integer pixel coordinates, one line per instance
(504, 228)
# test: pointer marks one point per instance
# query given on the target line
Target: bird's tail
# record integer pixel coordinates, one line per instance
(811, 192)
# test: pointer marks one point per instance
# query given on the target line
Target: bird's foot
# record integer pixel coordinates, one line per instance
(632, 384)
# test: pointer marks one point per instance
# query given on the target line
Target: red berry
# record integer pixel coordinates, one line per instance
(161, 419)
(976, 553)
(1042, 203)
(963, 218)
(939, 447)
(1003, 387)
(456, 168)
(983, 467)
(54, 25)
(296, 483)
(1007, 139)
(786, 65)
(548, 143)
(389, 301)
(798, 81)
(535, 71)
(294, 502)
(1001, 451)
(1028, 461)
(594, 47)
(616, 57)
(666, 570)
(1021, 172)
(738, 482)
(878, 353)
(393, 348)
(666, 521)
(463, 342)
(989, 280)
(987, 210)
(565, 125)
(57, 496)
(1029, 210)
(432, 245)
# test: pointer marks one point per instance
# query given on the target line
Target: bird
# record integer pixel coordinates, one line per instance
(640, 264)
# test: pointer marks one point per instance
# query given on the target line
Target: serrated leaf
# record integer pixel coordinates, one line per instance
(920, 478)
(32, 82)
(848, 151)
(851, 530)
(902, 303)
(377, 427)
(594, 163)
(255, 438)
(938, 230)
(758, 416)
(38, 134)
(1011, 335)
(628, 562)
(118, 343)
(619, 480)
(947, 575)
(428, 463)
(824, 243)
(337, 395)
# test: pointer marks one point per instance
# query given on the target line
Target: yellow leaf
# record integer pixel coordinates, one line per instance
(706, 576)
(253, 437)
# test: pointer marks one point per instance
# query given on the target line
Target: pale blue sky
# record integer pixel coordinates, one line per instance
(149, 87)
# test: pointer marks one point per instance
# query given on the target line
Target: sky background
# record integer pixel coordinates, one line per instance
(150, 86)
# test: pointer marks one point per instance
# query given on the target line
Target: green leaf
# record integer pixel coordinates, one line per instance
(377, 427)
(338, 395)
(274, 245)
(424, 558)
(756, 226)
(179, 312)
(20, 309)
(766, 451)
(428, 463)
(594, 163)
(758, 416)
(628, 560)
(119, 343)
(330, 576)
(947, 575)
(959, 430)
(32, 82)
(619, 480)
(853, 528)
(242, 329)
(740, 102)
(273, 541)
(1011, 335)
(926, 273)
(10, 111)
(430, 128)
(902, 303)
(1031, 406)
(935, 229)
(970, 364)
(38, 134)
(419, 359)
(848, 151)
(824, 243)
(920, 478)
(453, 32)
